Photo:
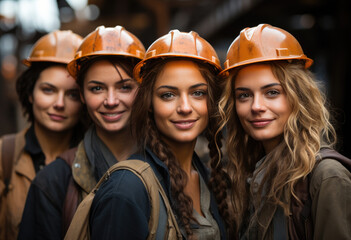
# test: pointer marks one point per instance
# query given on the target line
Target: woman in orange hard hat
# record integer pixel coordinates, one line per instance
(103, 68)
(176, 102)
(50, 99)
(286, 180)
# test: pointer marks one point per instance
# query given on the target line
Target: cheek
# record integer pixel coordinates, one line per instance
(240, 110)
(282, 108)
(40, 101)
(203, 108)
(161, 111)
(74, 107)
(128, 99)
(92, 102)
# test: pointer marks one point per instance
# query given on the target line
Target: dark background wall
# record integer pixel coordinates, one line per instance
(323, 28)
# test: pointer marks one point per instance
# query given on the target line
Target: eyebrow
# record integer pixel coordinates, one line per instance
(264, 87)
(121, 81)
(46, 83)
(175, 88)
(53, 86)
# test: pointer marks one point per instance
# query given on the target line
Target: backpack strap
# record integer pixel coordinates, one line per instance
(79, 228)
(7, 161)
(165, 208)
(71, 200)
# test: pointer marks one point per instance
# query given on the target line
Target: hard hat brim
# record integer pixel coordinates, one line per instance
(137, 68)
(226, 72)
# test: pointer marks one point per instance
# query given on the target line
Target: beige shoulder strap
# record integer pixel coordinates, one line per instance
(79, 228)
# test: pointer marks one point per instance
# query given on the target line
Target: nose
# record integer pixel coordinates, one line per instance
(112, 99)
(258, 104)
(184, 105)
(60, 101)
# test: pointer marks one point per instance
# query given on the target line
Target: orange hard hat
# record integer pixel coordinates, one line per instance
(178, 44)
(110, 41)
(58, 46)
(263, 43)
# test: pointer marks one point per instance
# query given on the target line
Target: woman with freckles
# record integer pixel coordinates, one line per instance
(278, 130)
(174, 105)
(103, 68)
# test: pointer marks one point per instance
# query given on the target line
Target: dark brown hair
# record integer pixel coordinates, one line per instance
(148, 135)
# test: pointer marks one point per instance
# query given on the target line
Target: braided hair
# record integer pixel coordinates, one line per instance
(147, 134)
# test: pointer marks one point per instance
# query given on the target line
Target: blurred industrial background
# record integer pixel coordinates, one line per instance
(323, 27)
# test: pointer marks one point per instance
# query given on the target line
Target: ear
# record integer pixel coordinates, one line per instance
(30, 99)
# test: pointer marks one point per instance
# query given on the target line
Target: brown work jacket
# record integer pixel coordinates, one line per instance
(12, 205)
(330, 190)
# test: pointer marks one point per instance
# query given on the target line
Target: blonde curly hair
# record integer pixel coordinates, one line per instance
(307, 128)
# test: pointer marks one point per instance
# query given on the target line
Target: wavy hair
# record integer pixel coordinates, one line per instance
(307, 128)
(148, 135)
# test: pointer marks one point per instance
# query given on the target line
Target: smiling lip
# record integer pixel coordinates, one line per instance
(184, 124)
(56, 117)
(111, 117)
(260, 123)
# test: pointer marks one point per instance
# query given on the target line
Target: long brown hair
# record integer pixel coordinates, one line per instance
(148, 135)
(307, 127)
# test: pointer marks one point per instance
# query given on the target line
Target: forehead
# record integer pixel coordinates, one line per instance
(105, 71)
(56, 75)
(180, 72)
(101, 66)
(255, 75)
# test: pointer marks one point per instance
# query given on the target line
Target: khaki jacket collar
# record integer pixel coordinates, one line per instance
(82, 171)
(24, 164)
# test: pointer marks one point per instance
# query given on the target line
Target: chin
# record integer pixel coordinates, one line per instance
(186, 139)
(58, 129)
(113, 129)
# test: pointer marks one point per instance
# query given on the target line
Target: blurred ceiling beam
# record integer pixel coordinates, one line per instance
(223, 14)
(161, 10)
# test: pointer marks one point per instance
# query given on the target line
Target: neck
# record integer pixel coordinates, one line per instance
(269, 145)
(52, 143)
(120, 143)
(183, 152)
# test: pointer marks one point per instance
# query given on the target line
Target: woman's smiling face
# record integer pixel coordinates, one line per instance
(261, 104)
(179, 102)
(109, 93)
(55, 99)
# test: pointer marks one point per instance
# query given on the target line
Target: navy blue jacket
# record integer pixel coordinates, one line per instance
(121, 207)
(42, 216)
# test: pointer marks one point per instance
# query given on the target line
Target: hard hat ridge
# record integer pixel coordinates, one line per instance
(178, 44)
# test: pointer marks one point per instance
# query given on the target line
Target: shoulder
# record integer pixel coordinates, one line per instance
(57, 168)
(124, 192)
(329, 171)
(122, 184)
(53, 179)
(329, 168)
